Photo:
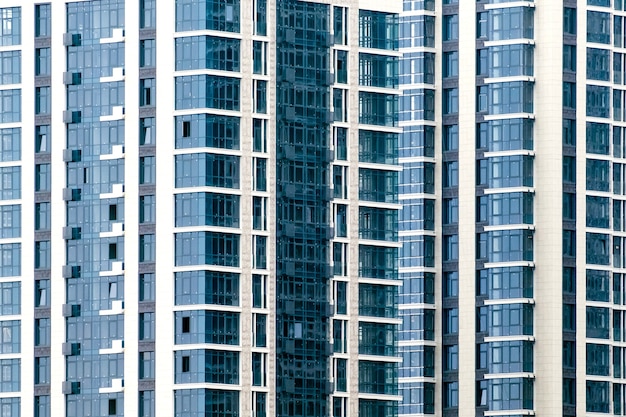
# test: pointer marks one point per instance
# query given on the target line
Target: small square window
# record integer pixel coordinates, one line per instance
(112, 406)
(112, 250)
(186, 129)
(113, 212)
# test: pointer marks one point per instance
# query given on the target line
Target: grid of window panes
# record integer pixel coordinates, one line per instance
(147, 204)
(94, 203)
(42, 196)
(339, 362)
(303, 207)
(450, 184)
(260, 87)
(205, 138)
(416, 151)
(378, 147)
(606, 111)
(505, 212)
(598, 140)
(11, 208)
(10, 144)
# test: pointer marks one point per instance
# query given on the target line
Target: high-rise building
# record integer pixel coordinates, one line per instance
(199, 208)
(513, 223)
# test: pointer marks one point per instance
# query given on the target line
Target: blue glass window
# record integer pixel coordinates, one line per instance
(10, 260)
(207, 91)
(10, 336)
(378, 224)
(510, 357)
(417, 31)
(378, 185)
(378, 377)
(378, 262)
(207, 287)
(378, 70)
(598, 101)
(417, 104)
(199, 170)
(10, 144)
(598, 248)
(42, 370)
(10, 26)
(417, 251)
(418, 361)
(10, 106)
(418, 68)
(206, 366)
(451, 27)
(10, 67)
(222, 15)
(147, 287)
(43, 20)
(207, 248)
(510, 208)
(510, 171)
(147, 326)
(417, 397)
(450, 101)
(598, 322)
(419, 214)
(598, 178)
(510, 134)
(378, 30)
(200, 209)
(206, 402)
(378, 147)
(10, 298)
(598, 360)
(147, 248)
(147, 19)
(598, 27)
(510, 245)
(42, 254)
(147, 53)
(417, 177)
(147, 209)
(450, 321)
(42, 61)
(146, 404)
(598, 64)
(598, 137)
(598, 212)
(510, 394)
(598, 396)
(378, 300)
(416, 141)
(10, 221)
(207, 52)
(511, 60)
(597, 285)
(511, 23)
(43, 177)
(510, 320)
(147, 170)
(417, 324)
(377, 339)
(510, 282)
(42, 100)
(215, 327)
(511, 97)
(378, 109)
